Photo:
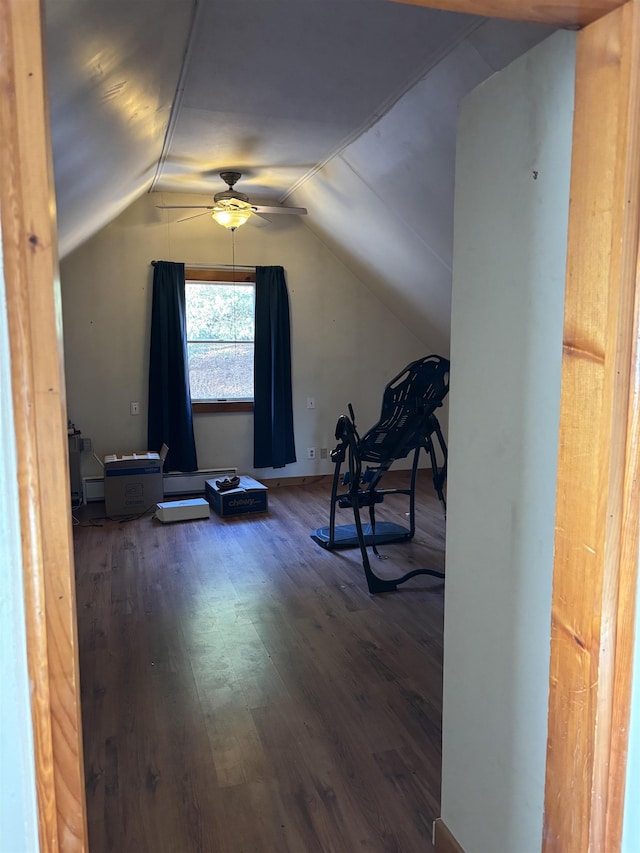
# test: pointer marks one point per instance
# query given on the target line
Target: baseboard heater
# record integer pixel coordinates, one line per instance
(174, 483)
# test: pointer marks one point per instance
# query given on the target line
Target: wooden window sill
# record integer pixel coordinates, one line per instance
(221, 406)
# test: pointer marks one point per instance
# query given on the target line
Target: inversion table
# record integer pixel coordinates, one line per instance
(407, 424)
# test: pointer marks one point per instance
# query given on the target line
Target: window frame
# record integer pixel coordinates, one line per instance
(217, 274)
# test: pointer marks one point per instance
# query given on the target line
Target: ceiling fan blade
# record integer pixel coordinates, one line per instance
(184, 206)
(261, 208)
(258, 220)
(195, 216)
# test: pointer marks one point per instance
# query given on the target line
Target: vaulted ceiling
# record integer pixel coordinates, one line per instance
(347, 107)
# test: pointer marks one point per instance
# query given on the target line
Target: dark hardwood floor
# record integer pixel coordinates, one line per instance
(243, 692)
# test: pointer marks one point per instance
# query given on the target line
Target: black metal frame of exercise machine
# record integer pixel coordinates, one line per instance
(407, 424)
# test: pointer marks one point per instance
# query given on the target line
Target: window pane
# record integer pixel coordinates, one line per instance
(220, 370)
(220, 312)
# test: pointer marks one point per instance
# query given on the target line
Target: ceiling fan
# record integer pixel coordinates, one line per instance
(232, 208)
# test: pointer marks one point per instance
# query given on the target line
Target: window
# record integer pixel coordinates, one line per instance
(220, 339)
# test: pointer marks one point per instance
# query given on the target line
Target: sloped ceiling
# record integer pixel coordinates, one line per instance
(275, 88)
(385, 203)
(347, 108)
(113, 68)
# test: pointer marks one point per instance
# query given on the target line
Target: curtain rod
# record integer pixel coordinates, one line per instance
(215, 267)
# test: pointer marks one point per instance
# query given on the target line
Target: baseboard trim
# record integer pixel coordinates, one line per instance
(443, 839)
(293, 481)
(308, 479)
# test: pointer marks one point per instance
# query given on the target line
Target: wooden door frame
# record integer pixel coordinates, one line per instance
(596, 554)
(598, 505)
(30, 266)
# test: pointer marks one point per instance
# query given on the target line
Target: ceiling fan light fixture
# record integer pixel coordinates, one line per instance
(231, 219)
(231, 213)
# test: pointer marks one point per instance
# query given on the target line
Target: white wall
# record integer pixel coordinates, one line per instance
(18, 814)
(384, 204)
(512, 191)
(345, 344)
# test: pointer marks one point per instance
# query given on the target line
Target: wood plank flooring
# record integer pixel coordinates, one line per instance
(243, 692)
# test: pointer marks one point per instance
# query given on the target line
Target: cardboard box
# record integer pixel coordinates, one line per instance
(186, 510)
(133, 483)
(249, 497)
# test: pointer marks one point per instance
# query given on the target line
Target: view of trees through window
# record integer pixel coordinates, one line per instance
(220, 338)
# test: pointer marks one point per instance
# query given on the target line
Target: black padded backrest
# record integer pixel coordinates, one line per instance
(408, 404)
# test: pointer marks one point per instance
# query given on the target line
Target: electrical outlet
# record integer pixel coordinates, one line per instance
(86, 444)
(311, 402)
(134, 408)
(311, 453)
(323, 453)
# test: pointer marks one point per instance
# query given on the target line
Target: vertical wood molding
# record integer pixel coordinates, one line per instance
(35, 331)
(596, 545)
(629, 209)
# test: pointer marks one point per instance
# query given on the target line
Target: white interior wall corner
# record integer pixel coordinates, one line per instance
(511, 214)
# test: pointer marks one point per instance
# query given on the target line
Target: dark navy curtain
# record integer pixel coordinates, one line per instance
(273, 444)
(170, 420)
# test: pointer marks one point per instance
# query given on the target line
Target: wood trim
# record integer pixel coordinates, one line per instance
(278, 482)
(221, 407)
(629, 189)
(443, 839)
(596, 545)
(237, 276)
(571, 14)
(35, 338)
